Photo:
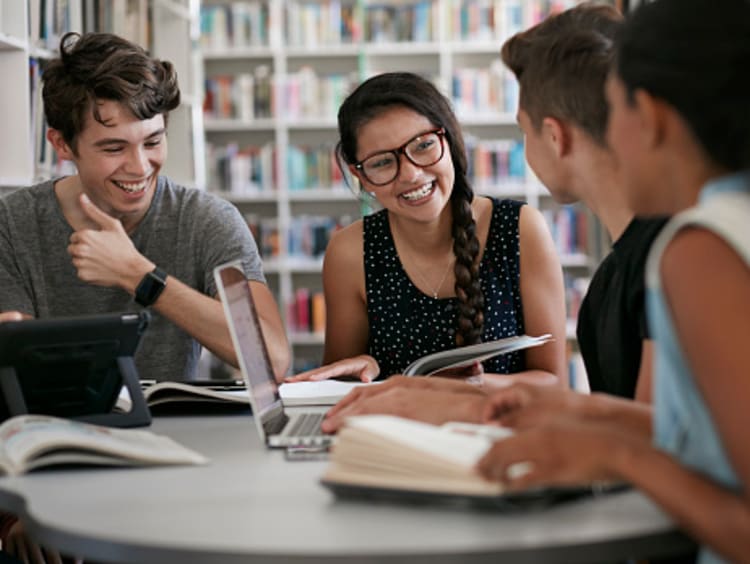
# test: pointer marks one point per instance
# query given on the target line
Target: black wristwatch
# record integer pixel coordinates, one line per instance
(150, 287)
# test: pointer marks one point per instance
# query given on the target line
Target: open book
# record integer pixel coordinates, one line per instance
(464, 356)
(28, 442)
(234, 393)
(382, 456)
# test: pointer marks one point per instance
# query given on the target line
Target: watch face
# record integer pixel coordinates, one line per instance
(151, 287)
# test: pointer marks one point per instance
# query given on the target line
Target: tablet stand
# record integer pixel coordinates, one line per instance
(138, 416)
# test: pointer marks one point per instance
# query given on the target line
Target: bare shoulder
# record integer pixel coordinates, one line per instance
(695, 251)
(531, 221)
(344, 249)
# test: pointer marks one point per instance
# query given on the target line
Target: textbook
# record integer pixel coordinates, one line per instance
(388, 457)
(464, 356)
(29, 442)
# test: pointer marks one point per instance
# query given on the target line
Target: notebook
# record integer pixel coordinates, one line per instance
(276, 426)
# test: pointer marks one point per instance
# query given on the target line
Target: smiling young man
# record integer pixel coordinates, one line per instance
(117, 236)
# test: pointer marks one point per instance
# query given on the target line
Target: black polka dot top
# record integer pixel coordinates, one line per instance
(406, 324)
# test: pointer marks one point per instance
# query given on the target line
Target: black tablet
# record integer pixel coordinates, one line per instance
(71, 367)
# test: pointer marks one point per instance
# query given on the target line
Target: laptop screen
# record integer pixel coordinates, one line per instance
(247, 336)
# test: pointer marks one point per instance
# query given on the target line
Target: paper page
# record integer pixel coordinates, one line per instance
(27, 436)
(322, 392)
(462, 449)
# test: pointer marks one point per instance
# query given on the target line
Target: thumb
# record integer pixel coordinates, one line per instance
(92, 211)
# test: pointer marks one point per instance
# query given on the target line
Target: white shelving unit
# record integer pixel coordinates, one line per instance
(16, 163)
(440, 54)
(175, 31)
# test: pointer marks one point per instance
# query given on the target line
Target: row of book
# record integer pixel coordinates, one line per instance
(492, 162)
(258, 95)
(477, 91)
(250, 170)
(389, 23)
(49, 20)
(244, 96)
(235, 25)
(570, 229)
(330, 22)
(241, 170)
(307, 236)
(333, 22)
(249, 96)
(485, 20)
(306, 312)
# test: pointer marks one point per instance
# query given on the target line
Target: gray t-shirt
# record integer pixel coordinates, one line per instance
(186, 232)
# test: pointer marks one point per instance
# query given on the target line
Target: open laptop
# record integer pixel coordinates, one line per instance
(276, 427)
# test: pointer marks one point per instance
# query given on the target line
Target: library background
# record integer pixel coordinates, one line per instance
(262, 81)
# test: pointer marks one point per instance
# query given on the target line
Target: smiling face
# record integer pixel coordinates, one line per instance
(417, 192)
(118, 163)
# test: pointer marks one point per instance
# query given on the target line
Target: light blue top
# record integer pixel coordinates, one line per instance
(683, 425)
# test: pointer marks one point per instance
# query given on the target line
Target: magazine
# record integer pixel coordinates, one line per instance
(29, 442)
(464, 356)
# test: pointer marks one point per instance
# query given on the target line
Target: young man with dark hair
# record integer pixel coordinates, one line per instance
(117, 236)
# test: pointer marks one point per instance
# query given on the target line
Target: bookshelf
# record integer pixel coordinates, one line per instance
(30, 31)
(276, 72)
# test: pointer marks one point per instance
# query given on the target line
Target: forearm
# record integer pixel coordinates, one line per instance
(277, 346)
(198, 315)
(626, 415)
(539, 377)
(710, 513)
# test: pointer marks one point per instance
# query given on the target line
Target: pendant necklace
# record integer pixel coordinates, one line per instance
(434, 291)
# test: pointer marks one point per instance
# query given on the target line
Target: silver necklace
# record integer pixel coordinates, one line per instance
(434, 291)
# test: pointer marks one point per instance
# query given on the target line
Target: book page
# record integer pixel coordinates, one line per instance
(323, 392)
(26, 438)
(460, 448)
(463, 356)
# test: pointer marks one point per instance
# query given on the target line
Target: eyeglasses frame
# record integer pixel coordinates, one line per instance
(398, 151)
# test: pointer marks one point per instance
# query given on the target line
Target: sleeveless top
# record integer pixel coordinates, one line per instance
(683, 424)
(406, 324)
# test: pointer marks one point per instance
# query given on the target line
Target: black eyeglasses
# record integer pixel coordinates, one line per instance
(423, 150)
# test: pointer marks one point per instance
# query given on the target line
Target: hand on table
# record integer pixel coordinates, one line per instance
(523, 405)
(566, 452)
(412, 402)
(362, 367)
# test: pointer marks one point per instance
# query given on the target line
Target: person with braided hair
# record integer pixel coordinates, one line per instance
(437, 267)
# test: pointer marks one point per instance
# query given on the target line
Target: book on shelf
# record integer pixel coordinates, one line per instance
(388, 457)
(465, 356)
(30, 442)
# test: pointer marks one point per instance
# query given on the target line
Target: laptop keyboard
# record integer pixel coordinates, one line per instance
(307, 425)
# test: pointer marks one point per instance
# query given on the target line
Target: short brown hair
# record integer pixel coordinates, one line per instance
(562, 63)
(102, 66)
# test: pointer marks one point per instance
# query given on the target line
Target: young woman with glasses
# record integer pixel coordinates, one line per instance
(437, 267)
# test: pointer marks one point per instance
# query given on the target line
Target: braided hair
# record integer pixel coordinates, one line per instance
(384, 91)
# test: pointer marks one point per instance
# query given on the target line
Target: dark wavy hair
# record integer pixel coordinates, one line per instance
(695, 55)
(562, 64)
(409, 90)
(102, 66)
